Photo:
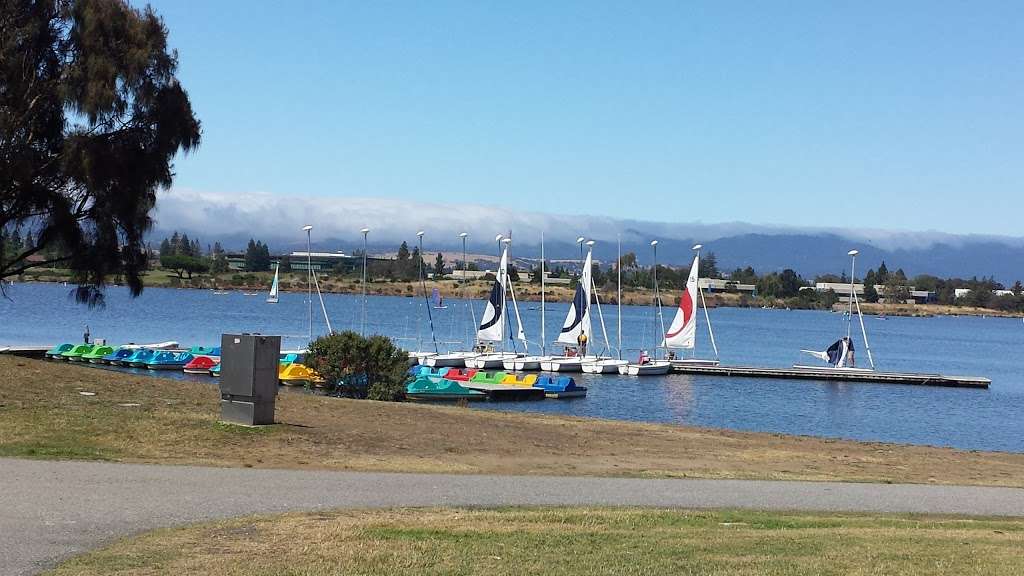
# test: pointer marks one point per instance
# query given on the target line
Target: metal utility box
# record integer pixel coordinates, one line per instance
(248, 377)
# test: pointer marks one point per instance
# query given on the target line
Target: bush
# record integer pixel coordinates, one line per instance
(360, 367)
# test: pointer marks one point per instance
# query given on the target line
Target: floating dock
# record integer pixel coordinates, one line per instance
(832, 375)
(26, 351)
(505, 392)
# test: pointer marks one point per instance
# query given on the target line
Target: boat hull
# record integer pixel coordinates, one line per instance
(603, 366)
(525, 363)
(448, 360)
(490, 361)
(657, 368)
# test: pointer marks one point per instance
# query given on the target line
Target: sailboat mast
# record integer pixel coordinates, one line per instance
(597, 301)
(423, 287)
(657, 294)
(543, 341)
(618, 296)
(704, 304)
(468, 304)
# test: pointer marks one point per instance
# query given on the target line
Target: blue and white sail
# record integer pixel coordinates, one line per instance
(578, 319)
(492, 324)
(837, 354)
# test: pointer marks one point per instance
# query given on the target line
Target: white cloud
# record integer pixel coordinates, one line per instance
(218, 215)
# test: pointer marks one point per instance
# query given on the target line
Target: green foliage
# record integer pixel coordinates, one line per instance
(360, 367)
(439, 264)
(257, 257)
(870, 294)
(709, 266)
(182, 264)
(91, 117)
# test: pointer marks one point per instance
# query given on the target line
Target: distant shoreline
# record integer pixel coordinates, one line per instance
(526, 292)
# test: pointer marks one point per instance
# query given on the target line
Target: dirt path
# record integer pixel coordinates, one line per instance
(52, 510)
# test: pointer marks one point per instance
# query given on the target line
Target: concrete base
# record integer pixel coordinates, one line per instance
(246, 412)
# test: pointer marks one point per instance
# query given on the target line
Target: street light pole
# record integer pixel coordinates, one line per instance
(853, 266)
(362, 328)
(309, 278)
(580, 241)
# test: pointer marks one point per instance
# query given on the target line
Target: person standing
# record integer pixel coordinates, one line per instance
(581, 341)
(85, 335)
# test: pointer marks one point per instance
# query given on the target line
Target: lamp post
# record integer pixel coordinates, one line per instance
(464, 235)
(309, 278)
(580, 241)
(362, 328)
(853, 265)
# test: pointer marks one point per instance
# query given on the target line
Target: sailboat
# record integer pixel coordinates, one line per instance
(532, 363)
(682, 333)
(492, 323)
(272, 297)
(610, 365)
(577, 322)
(840, 355)
(437, 301)
(648, 366)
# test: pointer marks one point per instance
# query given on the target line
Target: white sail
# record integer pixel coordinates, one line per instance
(492, 324)
(578, 319)
(683, 331)
(520, 333)
(272, 298)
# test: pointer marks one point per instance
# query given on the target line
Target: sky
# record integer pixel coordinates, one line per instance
(869, 115)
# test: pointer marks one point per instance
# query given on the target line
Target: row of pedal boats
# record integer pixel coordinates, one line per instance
(472, 384)
(169, 356)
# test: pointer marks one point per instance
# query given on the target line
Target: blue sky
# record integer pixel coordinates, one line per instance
(886, 115)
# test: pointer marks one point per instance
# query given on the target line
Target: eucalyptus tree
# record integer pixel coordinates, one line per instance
(91, 118)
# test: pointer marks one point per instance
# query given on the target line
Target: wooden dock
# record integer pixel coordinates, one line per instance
(840, 375)
(505, 392)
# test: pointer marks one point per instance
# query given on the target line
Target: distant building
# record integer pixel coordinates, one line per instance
(320, 261)
(723, 285)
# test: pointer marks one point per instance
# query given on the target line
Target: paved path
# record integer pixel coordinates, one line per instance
(52, 510)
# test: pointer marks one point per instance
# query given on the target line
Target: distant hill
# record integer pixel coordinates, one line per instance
(808, 254)
(233, 219)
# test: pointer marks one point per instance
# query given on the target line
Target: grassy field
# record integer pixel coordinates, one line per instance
(568, 542)
(144, 419)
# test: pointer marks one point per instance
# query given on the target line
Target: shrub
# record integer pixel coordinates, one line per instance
(360, 367)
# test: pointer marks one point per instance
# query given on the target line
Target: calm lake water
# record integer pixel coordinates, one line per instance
(971, 419)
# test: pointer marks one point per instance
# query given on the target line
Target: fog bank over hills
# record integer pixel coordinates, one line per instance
(234, 218)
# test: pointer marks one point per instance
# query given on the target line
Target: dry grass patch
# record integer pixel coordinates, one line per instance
(144, 419)
(568, 542)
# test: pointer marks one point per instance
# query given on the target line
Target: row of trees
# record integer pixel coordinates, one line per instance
(183, 256)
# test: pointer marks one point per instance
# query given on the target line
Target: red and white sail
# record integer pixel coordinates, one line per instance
(683, 331)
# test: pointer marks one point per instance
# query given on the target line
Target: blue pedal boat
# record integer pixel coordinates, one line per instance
(119, 356)
(169, 360)
(560, 387)
(140, 358)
